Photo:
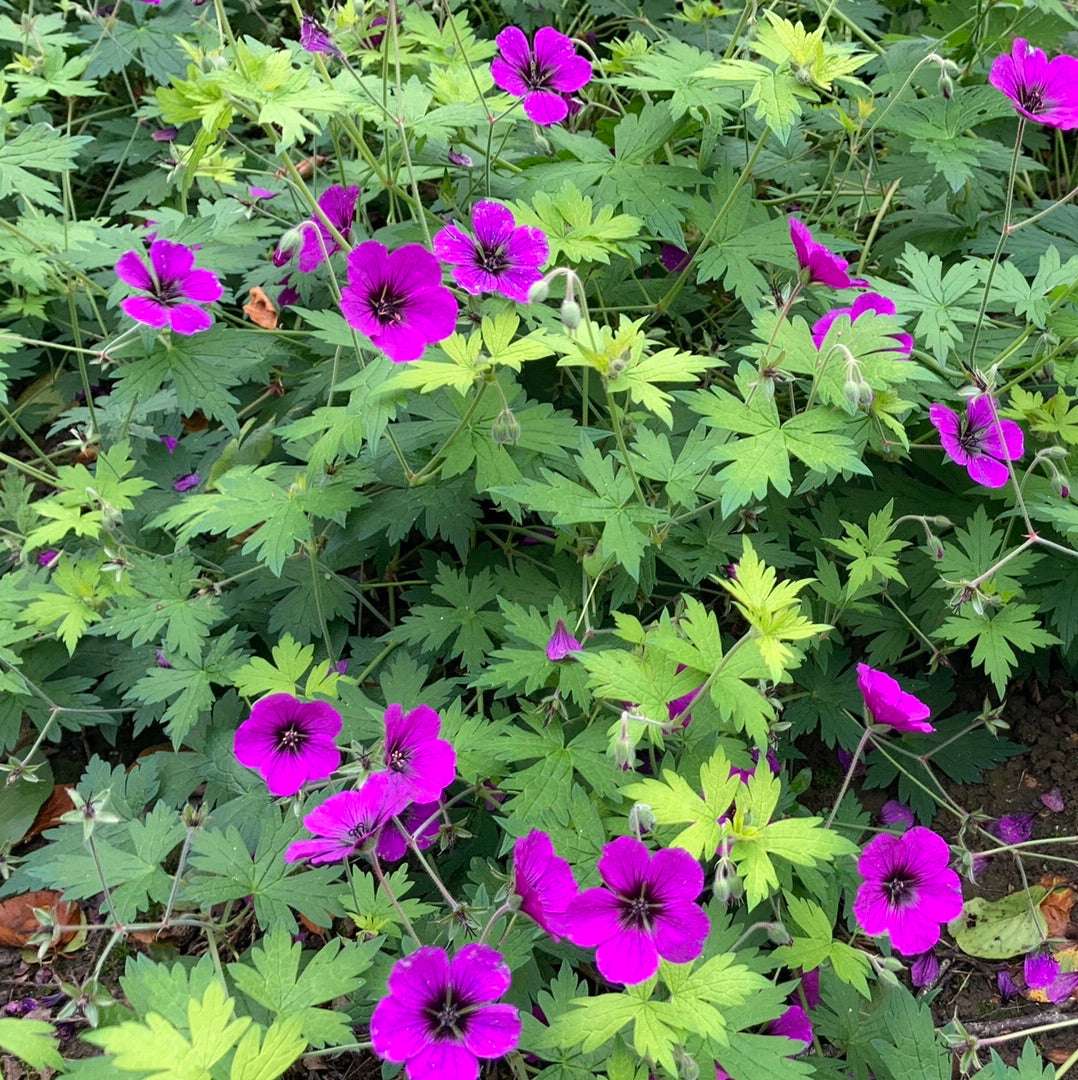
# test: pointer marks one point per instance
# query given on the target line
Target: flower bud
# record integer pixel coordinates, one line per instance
(1064, 490)
(641, 818)
(687, 1068)
(946, 86)
(570, 314)
(777, 934)
(539, 291)
(616, 367)
(727, 886)
(290, 242)
(851, 390)
(505, 430)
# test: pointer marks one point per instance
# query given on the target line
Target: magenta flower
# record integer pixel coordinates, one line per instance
(540, 74)
(174, 287)
(889, 704)
(462, 161)
(167, 134)
(186, 482)
(678, 710)
(502, 257)
(393, 844)
(823, 265)
(1040, 970)
(48, 558)
(810, 984)
(908, 889)
(793, 1024)
(645, 912)
(975, 441)
(1044, 91)
(925, 970)
(1013, 828)
(314, 38)
(261, 193)
(561, 643)
(397, 299)
(895, 813)
(339, 205)
(438, 1018)
(420, 766)
(290, 742)
(1006, 985)
(345, 822)
(865, 303)
(543, 881)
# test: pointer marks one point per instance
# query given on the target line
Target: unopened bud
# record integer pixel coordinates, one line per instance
(777, 934)
(505, 430)
(1064, 491)
(288, 245)
(803, 75)
(617, 366)
(865, 396)
(539, 292)
(941, 522)
(570, 314)
(727, 887)
(851, 390)
(193, 816)
(687, 1068)
(946, 86)
(641, 818)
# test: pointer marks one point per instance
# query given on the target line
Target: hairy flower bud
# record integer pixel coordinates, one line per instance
(727, 886)
(505, 430)
(946, 86)
(851, 390)
(539, 292)
(641, 818)
(570, 314)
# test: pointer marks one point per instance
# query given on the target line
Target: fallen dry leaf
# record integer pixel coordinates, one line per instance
(196, 421)
(1057, 1057)
(59, 802)
(305, 168)
(318, 931)
(1056, 906)
(260, 310)
(18, 923)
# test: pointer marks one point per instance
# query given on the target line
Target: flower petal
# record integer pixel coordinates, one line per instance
(624, 864)
(494, 1031)
(145, 309)
(479, 973)
(188, 319)
(171, 261)
(131, 270)
(629, 957)
(592, 918)
(398, 1030)
(544, 108)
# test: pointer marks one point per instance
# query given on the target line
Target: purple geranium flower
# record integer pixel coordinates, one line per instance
(174, 287)
(393, 844)
(645, 912)
(167, 134)
(503, 257)
(48, 558)
(261, 194)
(397, 299)
(793, 1024)
(339, 205)
(314, 38)
(1006, 985)
(925, 970)
(561, 643)
(438, 1018)
(420, 766)
(1044, 91)
(540, 74)
(908, 890)
(187, 482)
(975, 442)
(895, 813)
(290, 742)
(170, 442)
(462, 161)
(823, 265)
(673, 258)
(1013, 828)
(543, 881)
(865, 303)
(345, 822)
(810, 984)
(1040, 970)
(889, 704)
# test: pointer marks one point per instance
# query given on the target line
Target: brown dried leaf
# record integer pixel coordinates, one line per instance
(1056, 906)
(59, 802)
(305, 168)
(260, 310)
(18, 923)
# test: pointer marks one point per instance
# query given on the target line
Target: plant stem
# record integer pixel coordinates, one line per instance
(433, 874)
(858, 751)
(379, 876)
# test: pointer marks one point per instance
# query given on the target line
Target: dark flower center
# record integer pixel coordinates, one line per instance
(359, 832)
(492, 259)
(536, 75)
(445, 1016)
(387, 305)
(900, 888)
(291, 739)
(1032, 97)
(396, 758)
(970, 438)
(639, 910)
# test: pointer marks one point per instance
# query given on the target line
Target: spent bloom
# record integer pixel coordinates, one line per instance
(561, 643)
(823, 265)
(543, 881)
(261, 194)
(170, 442)
(794, 1023)
(976, 442)
(864, 304)
(1042, 90)
(925, 970)
(1006, 985)
(345, 822)
(339, 205)
(889, 704)
(187, 482)
(646, 911)
(895, 813)
(315, 38)
(420, 766)
(397, 299)
(540, 73)
(1053, 799)
(908, 889)
(48, 558)
(439, 1017)
(501, 256)
(173, 286)
(290, 742)
(1013, 828)
(1041, 971)
(673, 258)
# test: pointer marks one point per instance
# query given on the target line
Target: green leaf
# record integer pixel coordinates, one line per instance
(285, 675)
(265, 1058)
(32, 1041)
(37, 148)
(1000, 929)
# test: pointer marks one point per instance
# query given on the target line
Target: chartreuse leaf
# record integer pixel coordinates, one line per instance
(265, 1057)
(874, 553)
(73, 601)
(813, 944)
(158, 1049)
(273, 978)
(675, 802)
(32, 1041)
(285, 675)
